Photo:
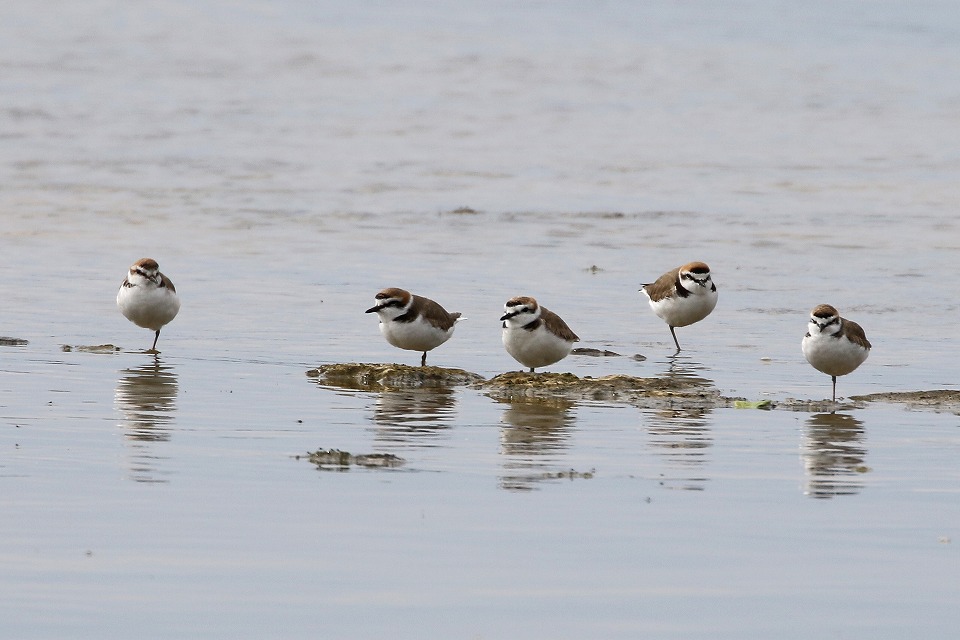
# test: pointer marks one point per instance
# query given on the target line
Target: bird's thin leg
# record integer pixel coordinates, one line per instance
(155, 338)
(423, 360)
(834, 378)
(675, 341)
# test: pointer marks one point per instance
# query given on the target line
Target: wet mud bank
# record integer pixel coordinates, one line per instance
(643, 392)
(656, 392)
(374, 377)
(939, 400)
(936, 400)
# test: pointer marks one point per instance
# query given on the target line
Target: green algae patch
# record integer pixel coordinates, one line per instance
(766, 405)
(373, 377)
(335, 459)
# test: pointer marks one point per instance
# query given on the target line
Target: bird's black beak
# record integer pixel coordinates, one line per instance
(374, 309)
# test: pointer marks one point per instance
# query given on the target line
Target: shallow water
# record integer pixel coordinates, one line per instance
(284, 161)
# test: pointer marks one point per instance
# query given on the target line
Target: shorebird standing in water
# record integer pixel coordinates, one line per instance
(834, 345)
(147, 298)
(682, 296)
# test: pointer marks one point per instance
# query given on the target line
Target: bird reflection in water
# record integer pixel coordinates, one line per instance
(146, 398)
(683, 373)
(413, 416)
(534, 432)
(408, 417)
(681, 432)
(833, 455)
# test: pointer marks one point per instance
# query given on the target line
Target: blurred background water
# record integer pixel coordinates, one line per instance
(285, 160)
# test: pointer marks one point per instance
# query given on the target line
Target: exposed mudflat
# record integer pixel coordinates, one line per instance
(813, 406)
(673, 391)
(363, 376)
(693, 392)
(665, 391)
(90, 348)
(938, 399)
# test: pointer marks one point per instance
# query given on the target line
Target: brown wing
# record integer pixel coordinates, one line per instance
(854, 333)
(664, 287)
(435, 314)
(167, 282)
(556, 325)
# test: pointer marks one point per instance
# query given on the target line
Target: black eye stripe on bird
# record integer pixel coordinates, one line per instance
(538, 337)
(150, 303)
(412, 322)
(837, 353)
(679, 303)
